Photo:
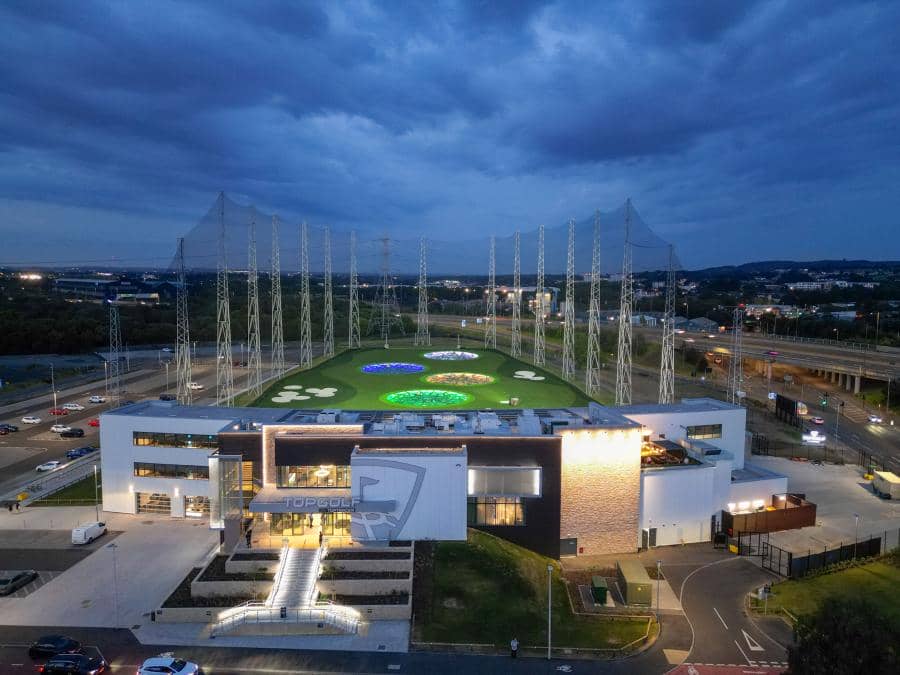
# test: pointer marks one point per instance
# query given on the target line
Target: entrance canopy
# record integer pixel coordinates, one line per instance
(271, 499)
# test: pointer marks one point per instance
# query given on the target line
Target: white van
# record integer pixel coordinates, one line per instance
(85, 534)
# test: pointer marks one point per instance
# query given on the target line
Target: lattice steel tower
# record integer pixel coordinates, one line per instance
(388, 310)
(328, 319)
(305, 300)
(254, 351)
(516, 325)
(568, 369)
(539, 303)
(423, 335)
(353, 328)
(224, 366)
(592, 370)
(277, 319)
(183, 392)
(115, 354)
(667, 358)
(490, 326)
(735, 365)
(626, 304)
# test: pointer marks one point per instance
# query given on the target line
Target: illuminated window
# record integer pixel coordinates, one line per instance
(503, 481)
(188, 471)
(702, 431)
(317, 476)
(150, 438)
(495, 511)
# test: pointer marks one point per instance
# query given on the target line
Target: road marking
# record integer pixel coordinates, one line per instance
(752, 644)
(749, 662)
(720, 618)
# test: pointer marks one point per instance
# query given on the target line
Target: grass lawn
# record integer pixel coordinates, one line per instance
(488, 590)
(81, 492)
(340, 382)
(877, 581)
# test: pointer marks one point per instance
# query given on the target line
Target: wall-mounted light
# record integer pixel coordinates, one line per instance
(731, 507)
(323, 471)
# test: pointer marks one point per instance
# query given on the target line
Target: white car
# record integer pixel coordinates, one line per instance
(168, 663)
(31, 419)
(96, 399)
(48, 466)
(59, 428)
(875, 419)
(196, 386)
(72, 406)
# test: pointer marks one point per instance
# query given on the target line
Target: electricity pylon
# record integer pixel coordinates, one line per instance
(353, 329)
(388, 312)
(592, 371)
(328, 320)
(667, 357)
(224, 366)
(277, 319)
(539, 303)
(305, 300)
(183, 391)
(490, 326)
(423, 335)
(254, 351)
(568, 369)
(115, 354)
(516, 325)
(735, 366)
(626, 304)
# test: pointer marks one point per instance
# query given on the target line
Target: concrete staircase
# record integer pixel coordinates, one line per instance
(295, 580)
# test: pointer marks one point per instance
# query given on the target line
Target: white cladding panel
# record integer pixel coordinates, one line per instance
(119, 455)
(428, 491)
(754, 490)
(679, 503)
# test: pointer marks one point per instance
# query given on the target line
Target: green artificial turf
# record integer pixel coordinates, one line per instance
(358, 390)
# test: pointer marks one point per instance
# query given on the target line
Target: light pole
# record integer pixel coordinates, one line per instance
(53, 385)
(856, 534)
(106, 376)
(549, 607)
(658, 573)
(167, 377)
(96, 495)
(114, 548)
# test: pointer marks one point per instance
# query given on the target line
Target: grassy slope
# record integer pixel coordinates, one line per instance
(488, 590)
(877, 581)
(82, 491)
(356, 389)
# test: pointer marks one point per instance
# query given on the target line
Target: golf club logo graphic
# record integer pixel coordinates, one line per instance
(407, 483)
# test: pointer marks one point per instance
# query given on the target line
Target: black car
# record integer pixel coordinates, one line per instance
(13, 581)
(9, 427)
(75, 453)
(75, 664)
(75, 432)
(51, 645)
(167, 397)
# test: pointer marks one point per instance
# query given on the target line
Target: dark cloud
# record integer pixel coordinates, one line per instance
(463, 116)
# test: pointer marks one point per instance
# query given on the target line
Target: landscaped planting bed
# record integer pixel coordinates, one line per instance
(256, 555)
(368, 555)
(392, 599)
(215, 571)
(181, 596)
(339, 574)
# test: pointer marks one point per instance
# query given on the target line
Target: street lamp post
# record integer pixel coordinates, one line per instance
(106, 376)
(53, 385)
(96, 495)
(167, 377)
(114, 548)
(549, 607)
(658, 573)
(856, 534)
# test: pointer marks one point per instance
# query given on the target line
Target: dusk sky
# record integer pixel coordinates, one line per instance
(741, 130)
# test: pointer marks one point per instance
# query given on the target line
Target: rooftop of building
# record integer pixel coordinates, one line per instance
(683, 406)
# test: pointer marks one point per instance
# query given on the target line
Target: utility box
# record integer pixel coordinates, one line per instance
(599, 590)
(886, 485)
(634, 582)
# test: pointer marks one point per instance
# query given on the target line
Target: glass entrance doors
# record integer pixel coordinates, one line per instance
(335, 524)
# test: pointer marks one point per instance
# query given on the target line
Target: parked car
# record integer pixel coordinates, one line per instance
(75, 664)
(59, 428)
(10, 582)
(9, 427)
(167, 397)
(96, 399)
(58, 411)
(95, 422)
(3, 431)
(875, 419)
(48, 466)
(75, 453)
(167, 663)
(85, 534)
(73, 406)
(196, 386)
(51, 645)
(168, 350)
(817, 420)
(74, 432)
(31, 419)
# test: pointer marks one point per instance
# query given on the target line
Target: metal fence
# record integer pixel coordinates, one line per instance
(762, 445)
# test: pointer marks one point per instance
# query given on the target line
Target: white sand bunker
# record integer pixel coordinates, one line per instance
(527, 375)
(295, 392)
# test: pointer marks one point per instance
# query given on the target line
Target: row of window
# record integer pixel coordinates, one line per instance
(501, 481)
(495, 511)
(152, 438)
(320, 476)
(702, 431)
(152, 470)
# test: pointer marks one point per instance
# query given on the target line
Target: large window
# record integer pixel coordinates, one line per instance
(496, 511)
(189, 471)
(702, 431)
(175, 440)
(319, 476)
(504, 481)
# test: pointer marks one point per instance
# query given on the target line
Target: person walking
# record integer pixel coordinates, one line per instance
(17, 506)
(513, 647)
(320, 538)
(248, 536)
